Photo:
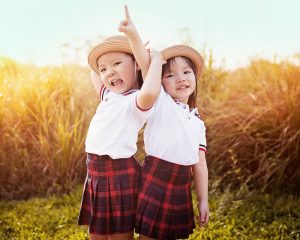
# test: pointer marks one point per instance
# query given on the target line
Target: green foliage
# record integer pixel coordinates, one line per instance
(233, 215)
(51, 218)
(251, 215)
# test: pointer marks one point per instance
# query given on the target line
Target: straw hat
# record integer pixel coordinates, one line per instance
(117, 43)
(184, 51)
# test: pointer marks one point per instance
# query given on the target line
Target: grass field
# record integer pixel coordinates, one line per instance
(253, 133)
(233, 215)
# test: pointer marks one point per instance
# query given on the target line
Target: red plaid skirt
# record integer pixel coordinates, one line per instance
(165, 208)
(110, 195)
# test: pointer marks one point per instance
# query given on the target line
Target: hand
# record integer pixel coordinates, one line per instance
(156, 55)
(126, 26)
(203, 213)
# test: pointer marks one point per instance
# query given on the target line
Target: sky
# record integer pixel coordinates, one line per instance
(61, 31)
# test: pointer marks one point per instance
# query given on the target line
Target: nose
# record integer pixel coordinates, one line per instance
(180, 78)
(110, 72)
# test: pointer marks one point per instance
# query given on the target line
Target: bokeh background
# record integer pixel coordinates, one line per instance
(249, 97)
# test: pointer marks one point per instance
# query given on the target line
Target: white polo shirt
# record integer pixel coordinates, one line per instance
(114, 128)
(173, 132)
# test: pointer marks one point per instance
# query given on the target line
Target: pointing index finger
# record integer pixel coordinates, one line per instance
(127, 13)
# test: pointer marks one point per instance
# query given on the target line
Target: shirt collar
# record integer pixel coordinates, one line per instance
(130, 92)
(125, 93)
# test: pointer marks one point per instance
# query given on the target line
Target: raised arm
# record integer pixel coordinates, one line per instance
(96, 81)
(139, 50)
(152, 84)
(200, 174)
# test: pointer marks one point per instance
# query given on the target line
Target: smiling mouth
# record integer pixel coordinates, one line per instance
(116, 82)
(182, 88)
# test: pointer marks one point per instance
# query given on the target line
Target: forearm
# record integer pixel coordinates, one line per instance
(151, 86)
(140, 53)
(139, 50)
(96, 81)
(200, 174)
(152, 82)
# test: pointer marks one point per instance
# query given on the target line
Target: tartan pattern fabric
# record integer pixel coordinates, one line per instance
(165, 209)
(110, 195)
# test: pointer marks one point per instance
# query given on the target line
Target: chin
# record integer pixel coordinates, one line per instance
(121, 89)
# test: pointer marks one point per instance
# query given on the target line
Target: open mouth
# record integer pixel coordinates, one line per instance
(116, 82)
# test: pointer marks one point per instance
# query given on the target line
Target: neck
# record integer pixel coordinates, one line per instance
(135, 84)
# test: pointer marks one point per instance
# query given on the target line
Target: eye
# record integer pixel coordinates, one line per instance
(187, 72)
(169, 75)
(117, 63)
(102, 70)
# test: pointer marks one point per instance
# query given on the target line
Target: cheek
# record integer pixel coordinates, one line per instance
(103, 78)
(163, 82)
(127, 69)
(166, 85)
(193, 82)
(105, 81)
(167, 82)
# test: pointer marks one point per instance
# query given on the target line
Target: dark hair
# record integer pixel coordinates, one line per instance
(167, 67)
(139, 75)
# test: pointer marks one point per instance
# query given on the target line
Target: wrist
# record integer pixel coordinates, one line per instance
(133, 36)
(202, 200)
(156, 60)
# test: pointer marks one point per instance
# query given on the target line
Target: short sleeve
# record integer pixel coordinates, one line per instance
(202, 143)
(140, 115)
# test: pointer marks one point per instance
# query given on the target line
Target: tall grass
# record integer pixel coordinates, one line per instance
(254, 126)
(252, 118)
(43, 118)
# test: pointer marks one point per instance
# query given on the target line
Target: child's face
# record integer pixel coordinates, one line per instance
(117, 71)
(180, 80)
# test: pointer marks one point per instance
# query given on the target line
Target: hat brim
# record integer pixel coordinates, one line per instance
(185, 51)
(113, 45)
